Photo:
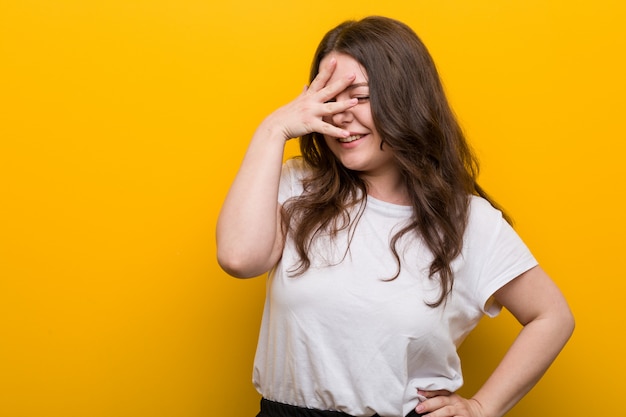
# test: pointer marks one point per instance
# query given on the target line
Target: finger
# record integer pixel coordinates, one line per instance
(325, 72)
(331, 90)
(328, 129)
(334, 107)
(444, 405)
(432, 404)
(434, 393)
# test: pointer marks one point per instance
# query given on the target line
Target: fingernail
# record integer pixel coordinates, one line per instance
(419, 408)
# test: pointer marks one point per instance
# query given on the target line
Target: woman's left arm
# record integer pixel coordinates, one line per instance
(538, 304)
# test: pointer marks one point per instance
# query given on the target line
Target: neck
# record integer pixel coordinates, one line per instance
(390, 189)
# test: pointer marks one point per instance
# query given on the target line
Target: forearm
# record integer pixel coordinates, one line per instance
(248, 225)
(249, 237)
(528, 358)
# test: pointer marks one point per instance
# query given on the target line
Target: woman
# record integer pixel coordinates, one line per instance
(383, 251)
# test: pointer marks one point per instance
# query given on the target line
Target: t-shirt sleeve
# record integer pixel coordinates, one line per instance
(504, 255)
(290, 180)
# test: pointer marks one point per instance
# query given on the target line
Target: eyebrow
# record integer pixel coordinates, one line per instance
(357, 85)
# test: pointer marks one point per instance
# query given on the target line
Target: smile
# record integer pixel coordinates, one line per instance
(350, 138)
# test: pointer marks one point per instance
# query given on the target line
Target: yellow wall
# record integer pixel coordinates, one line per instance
(122, 123)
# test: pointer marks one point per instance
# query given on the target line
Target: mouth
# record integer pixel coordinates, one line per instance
(350, 138)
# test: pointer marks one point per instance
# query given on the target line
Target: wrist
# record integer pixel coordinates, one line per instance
(482, 409)
(272, 127)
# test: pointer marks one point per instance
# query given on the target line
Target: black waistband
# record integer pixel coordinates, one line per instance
(274, 409)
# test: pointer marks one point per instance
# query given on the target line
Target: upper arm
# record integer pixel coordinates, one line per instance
(533, 295)
(247, 255)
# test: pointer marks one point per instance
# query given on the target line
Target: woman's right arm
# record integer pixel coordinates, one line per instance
(249, 234)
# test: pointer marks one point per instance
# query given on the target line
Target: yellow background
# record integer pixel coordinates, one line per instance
(122, 123)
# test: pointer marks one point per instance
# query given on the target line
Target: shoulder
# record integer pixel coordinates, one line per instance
(494, 252)
(483, 214)
(295, 167)
(485, 224)
(489, 234)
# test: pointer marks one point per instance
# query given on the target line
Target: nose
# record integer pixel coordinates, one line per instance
(343, 118)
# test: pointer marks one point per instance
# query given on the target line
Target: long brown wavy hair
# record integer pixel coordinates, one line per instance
(413, 117)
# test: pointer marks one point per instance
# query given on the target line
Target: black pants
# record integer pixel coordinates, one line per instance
(274, 409)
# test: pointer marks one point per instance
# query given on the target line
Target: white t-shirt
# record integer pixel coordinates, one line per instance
(343, 337)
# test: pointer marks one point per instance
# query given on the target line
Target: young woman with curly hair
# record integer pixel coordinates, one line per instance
(383, 251)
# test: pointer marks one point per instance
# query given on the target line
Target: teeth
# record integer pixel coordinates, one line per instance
(350, 138)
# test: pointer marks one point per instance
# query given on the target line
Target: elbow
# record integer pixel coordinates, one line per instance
(564, 323)
(239, 265)
(569, 322)
(237, 271)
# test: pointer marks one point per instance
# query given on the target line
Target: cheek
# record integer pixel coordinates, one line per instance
(366, 116)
